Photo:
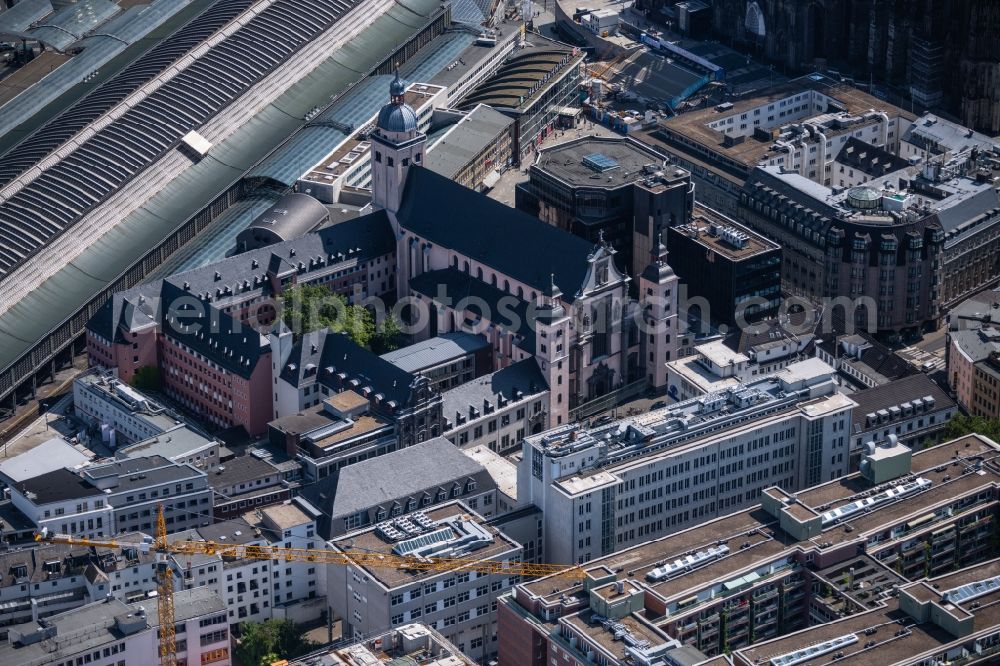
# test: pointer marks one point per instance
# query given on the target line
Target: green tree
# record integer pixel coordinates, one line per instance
(960, 425)
(146, 378)
(263, 643)
(388, 336)
(307, 308)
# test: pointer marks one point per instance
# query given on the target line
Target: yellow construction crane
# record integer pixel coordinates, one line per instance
(165, 589)
(600, 70)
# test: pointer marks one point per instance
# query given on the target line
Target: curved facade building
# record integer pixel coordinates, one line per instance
(866, 266)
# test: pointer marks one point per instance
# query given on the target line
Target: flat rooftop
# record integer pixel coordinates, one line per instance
(606, 162)
(724, 236)
(755, 538)
(370, 541)
(585, 624)
(694, 127)
(897, 638)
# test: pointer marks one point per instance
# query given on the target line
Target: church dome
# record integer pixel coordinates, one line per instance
(397, 115)
(397, 118)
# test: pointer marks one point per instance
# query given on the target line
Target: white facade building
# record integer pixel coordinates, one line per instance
(618, 485)
(461, 606)
(113, 633)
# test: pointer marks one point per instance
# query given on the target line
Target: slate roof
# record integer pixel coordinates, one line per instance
(371, 235)
(378, 481)
(872, 160)
(896, 393)
(329, 354)
(524, 376)
(504, 238)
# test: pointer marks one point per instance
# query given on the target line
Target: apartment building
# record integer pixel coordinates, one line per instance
(799, 566)
(113, 633)
(603, 489)
(123, 414)
(460, 605)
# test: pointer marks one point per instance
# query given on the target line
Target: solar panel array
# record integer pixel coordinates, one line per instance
(64, 193)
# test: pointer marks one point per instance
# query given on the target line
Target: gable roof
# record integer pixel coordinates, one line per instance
(504, 238)
(328, 354)
(378, 481)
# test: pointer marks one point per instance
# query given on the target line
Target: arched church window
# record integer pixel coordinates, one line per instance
(755, 20)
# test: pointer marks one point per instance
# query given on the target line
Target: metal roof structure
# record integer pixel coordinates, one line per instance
(465, 140)
(435, 351)
(58, 299)
(32, 213)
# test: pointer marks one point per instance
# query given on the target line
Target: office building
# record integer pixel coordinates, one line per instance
(497, 410)
(102, 500)
(737, 271)
(411, 643)
(181, 444)
(322, 365)
(224, 375)
(800, 125)
(123, 414)
(913, 409)
(943, 55)
(111, 632)
(861, 360)
(341, 431)
(536, 102)
(832, 561)
(617, 189)
(602, 489)
(460, 605)
(244, 483)
(475, 150)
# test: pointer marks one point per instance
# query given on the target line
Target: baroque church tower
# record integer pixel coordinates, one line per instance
(396, 145)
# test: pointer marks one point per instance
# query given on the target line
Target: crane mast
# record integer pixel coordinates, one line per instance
(165, 595)
(163, 548)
